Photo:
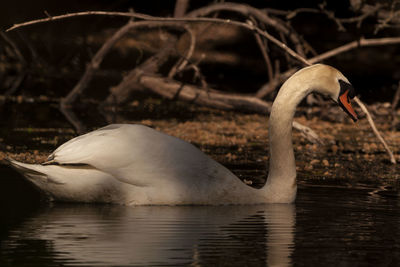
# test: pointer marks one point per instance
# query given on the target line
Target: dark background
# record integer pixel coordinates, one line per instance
(61, 49)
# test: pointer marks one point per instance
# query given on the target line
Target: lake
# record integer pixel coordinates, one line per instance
(333, 225)
(346, 214)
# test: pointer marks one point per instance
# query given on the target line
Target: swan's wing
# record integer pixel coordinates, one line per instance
(138, 155)
(85, 148)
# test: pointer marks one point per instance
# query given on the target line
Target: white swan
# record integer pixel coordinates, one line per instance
(136, 165)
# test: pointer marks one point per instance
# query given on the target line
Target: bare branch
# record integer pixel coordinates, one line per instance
(355, 44)
(247, 11)
(95, 63)
(264, 49)
(186, 58)
(120, 93)
(180, 8)
(175, 90)
(98, 58)
(184, 19)
(375, 130)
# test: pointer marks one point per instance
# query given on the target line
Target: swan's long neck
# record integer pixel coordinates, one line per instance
(281, 182)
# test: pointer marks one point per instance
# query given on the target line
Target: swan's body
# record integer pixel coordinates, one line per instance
(136, 165)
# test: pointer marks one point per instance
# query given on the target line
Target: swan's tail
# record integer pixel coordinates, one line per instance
(71, 183)
(35, 173)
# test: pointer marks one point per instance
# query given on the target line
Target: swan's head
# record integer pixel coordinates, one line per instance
(332, 83)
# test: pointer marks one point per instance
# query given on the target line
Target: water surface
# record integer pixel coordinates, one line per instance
(331, 225)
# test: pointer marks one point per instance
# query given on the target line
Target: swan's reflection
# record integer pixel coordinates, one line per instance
(200, 236)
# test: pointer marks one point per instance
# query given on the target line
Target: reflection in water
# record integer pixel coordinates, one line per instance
(329, 225)
(116, 235)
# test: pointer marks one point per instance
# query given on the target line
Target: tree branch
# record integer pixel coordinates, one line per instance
(247, 26)
(175, 90)
(95, 63)
(181, 64)
(375, 130)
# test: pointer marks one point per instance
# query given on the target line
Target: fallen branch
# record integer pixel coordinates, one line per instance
(171, 89)
(175, 90)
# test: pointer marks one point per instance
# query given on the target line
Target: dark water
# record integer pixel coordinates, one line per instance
(330, 225)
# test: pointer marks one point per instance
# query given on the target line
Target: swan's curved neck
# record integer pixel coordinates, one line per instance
(282, 168)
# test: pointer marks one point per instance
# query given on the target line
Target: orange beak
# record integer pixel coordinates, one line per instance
(344, 102)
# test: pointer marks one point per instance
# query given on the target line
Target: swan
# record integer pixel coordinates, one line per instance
(137, 165)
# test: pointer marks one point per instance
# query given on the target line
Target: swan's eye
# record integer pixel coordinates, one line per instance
(345, 95)
(345, 86)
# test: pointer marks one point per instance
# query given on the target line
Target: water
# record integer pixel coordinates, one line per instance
(346, 222)
(330, 225)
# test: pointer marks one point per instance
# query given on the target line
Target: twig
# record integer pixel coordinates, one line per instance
(384, 23)
(362, 17)
(264, 49)
(375, 130)
(186, 58)
(359, 19)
